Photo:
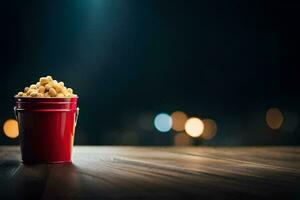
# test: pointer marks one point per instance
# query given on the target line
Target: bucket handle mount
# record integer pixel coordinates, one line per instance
(15, 112)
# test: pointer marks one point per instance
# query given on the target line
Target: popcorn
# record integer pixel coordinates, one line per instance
(52, 92)
(41, 89)
(70, 90)
(57, 87)
(33, 94)
(44, 80)
(32, 86)
(47, 88)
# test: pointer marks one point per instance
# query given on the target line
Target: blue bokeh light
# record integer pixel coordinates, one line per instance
(163, 122)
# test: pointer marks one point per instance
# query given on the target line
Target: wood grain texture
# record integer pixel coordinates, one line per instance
(156, 173)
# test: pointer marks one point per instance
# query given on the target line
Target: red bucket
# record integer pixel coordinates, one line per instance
(47, 127)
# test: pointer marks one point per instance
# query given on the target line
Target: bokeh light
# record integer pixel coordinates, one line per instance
(163, 122)
(178, 119)
(274, 118)
(182, 139)
(194, 127)
(210, 129)
(10, 128)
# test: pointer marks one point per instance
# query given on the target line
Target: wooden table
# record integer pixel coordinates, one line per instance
(156, 173)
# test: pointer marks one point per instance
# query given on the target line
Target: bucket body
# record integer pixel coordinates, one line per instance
(47, 127)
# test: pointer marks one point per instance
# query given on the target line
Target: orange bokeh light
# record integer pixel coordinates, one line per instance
(10, 128)
(178, 118)
(210, 129)
(274, 118)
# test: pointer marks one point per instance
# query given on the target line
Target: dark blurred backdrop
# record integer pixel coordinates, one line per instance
(129, 60)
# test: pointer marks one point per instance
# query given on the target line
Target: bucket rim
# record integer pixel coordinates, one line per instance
(17, 97)
(45, 99)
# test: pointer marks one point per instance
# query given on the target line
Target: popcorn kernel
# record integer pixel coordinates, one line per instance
(52, 92)
(34, 94)
(26, 89)
(41, 89)
(57, 87)
(32, 86)
(70, 90)
(30, 91)
(49, 78)
(44, 81)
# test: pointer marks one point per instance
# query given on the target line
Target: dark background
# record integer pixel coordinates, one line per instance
(225, 60)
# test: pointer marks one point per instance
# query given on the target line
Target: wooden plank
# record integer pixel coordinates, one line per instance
(156, 173)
